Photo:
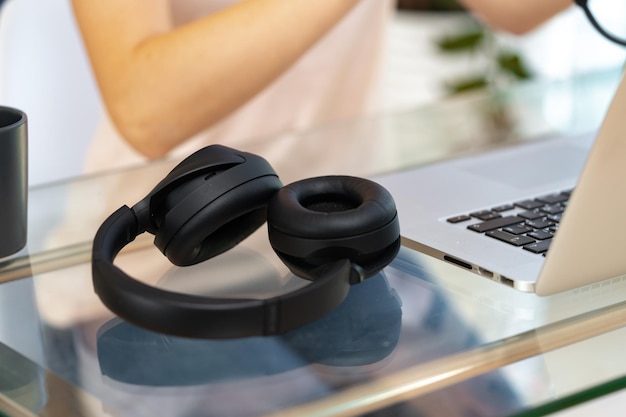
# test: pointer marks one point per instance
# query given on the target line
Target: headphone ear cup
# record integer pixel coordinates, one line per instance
(317, 221)
(222, 223)
(209, 203)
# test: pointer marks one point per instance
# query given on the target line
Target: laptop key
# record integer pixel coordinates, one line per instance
(542, 234)
(529, 204)
(539, 247)
(552, 208)
(531, 214)
(553, 198)
(516, 240)
(458, 219)
(495, 224)
(518, 229)
(504, 207)
(485, 215)
(555, 217)
(541, 223)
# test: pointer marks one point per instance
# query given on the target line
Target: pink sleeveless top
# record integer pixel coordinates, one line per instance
(337, 79)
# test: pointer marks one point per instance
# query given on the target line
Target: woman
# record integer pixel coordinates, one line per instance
(176, 75)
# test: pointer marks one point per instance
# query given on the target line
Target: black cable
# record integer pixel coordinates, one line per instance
(583, 4)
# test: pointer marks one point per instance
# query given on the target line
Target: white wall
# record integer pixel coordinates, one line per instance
(43, 71)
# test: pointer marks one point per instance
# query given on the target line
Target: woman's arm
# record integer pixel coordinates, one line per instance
(516, 16)
(163, 85)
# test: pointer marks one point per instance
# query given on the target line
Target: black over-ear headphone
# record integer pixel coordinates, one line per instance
(334, 231)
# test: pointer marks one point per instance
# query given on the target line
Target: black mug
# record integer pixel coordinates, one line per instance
(13, 180)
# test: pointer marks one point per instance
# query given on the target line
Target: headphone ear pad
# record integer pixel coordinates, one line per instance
(316, 221)
(223, 222)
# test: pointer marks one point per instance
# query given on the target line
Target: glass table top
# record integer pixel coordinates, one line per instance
(420, 338)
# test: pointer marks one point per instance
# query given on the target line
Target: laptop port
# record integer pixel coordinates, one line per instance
(485, 272)
(506, 281)
(457, 262)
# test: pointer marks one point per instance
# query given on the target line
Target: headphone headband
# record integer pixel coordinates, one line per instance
(195, 316)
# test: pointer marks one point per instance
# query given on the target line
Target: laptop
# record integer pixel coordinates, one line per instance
(542, 217)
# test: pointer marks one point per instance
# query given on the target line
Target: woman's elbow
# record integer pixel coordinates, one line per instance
(145, 134)
(154, 129)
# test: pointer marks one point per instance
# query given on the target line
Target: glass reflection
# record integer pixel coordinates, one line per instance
(21, 380)
(363, 330)
(397, 319)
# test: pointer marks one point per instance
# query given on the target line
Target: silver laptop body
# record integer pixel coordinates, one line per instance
(588, 245)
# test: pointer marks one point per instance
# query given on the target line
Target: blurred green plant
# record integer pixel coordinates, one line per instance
(503, 63)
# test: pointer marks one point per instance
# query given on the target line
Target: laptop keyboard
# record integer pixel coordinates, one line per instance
(529, 224)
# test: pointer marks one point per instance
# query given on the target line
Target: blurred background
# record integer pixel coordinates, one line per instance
(434, 48)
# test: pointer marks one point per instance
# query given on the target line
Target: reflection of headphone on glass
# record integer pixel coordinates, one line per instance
(363, 330)
(334, 231)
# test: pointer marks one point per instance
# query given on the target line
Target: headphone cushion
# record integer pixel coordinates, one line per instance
(331, 207)
(315, 221)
